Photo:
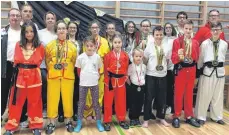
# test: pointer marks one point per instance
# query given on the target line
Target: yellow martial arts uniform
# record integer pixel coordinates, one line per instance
(103, 49)
(60, 80)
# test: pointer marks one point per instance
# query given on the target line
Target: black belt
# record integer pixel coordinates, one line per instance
(110, 74)
(209, 64)
(14, 78)
(180, 65)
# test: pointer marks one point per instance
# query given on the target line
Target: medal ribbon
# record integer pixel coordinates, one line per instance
(117, 57)
(61, 51)
(139, 78)
(159, 55)
(98, 43)
(144, 38)
(215, 49)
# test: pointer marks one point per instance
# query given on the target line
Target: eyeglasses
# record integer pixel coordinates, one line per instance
(15, 15)
(73, 28)
(131, 27)
(215, 30)
(94, 27)
(145, 26)
(180, 17)
(213, 15)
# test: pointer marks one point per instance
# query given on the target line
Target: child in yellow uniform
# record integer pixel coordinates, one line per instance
(60, 60)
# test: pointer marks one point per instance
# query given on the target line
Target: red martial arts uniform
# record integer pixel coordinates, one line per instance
(115, 68)
(205, 33)
(184, 81)
(28, 83)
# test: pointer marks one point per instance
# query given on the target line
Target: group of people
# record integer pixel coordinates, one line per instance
(50, 69)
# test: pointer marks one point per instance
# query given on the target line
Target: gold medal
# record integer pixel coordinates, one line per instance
(159, 67)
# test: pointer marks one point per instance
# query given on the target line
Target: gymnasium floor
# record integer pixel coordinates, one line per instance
(155, 128)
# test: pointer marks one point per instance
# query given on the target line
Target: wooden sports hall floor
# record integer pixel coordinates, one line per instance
(155, 128)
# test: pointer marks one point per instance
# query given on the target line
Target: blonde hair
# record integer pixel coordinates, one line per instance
(137, 49)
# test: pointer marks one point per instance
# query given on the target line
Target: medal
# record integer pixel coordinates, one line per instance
(215, 63)
(159, 67)
(188, 60)
(139, 89)
(58, 66)
(118, 65)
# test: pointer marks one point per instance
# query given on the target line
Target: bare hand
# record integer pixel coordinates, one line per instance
(128, 81)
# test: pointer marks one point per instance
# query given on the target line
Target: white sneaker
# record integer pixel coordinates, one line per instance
(168, 110)
(24, 124)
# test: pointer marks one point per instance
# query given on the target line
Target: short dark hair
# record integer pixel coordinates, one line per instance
(174, 32)
(145, 20)
(89, 39)
(23, 41)
(213, 10)
(77, 29)
(58, 22)
(49, 12)
(217, 25)
(157, 28)
(182, 13)
(26, 5)
(13, 9)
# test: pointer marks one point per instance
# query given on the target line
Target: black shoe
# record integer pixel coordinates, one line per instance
(221, 122)
(107, 126)
(138, 123)
(8, 132)
(201, 122)
(50, 128)
(176, 123)
(75, 117)
(132, 123)
(61, 118)
(192, 121)
(36, 132)
(124, 125)
(70, 127)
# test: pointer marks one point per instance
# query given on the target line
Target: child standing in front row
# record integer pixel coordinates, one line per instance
(136, 72)
(88, 65)
(115, 72)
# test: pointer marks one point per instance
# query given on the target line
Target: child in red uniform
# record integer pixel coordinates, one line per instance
(115, 71)
(185, 54)
(28, 56)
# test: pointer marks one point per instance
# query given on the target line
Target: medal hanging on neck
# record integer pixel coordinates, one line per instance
(215, 62)
(59, 55)
(139, 78)
(160, 55)
(117, 55)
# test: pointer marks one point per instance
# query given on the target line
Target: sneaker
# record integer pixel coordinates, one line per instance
(176, 123)
(201, 122)
(138, 123)
(50, 128)
(192, 121)
(107, 126)
(24, 124)
(78, 126)
(124, 125)
(100, 126)
(132, 123)
(221, 122)
(36, 132)
(69, 127)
